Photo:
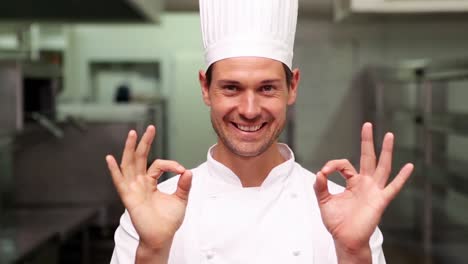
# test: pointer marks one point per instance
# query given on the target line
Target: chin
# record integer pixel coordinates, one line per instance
(246, 151)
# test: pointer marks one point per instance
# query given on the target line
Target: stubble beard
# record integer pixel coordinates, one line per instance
(235, 149)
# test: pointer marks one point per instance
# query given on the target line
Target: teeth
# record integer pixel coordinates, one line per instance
(249, 128)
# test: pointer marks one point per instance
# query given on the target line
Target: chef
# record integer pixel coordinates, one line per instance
(250, 202)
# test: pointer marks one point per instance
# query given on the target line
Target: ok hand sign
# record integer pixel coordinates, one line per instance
(352, 216)
(155, 215)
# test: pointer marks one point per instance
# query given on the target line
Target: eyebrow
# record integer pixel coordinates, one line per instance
(233, 82)
(271, 81)
(228, 82)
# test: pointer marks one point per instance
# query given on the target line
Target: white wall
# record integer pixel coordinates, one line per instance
(191, 139)
(177, 32)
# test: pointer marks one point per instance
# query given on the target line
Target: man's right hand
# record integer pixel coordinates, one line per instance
(155, 215)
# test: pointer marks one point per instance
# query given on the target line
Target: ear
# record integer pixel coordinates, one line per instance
(294, 86)
(204, 87)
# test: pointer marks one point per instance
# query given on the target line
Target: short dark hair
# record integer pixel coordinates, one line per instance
(287, 72)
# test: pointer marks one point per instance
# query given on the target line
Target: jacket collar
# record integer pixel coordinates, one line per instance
(222, 175)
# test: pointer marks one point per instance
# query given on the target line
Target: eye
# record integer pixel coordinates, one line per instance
(267, 88)
(230, 88)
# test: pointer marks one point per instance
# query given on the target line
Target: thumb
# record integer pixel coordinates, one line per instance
(184, 184)
(321, 187)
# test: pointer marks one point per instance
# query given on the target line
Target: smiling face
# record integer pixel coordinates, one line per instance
(248, 97)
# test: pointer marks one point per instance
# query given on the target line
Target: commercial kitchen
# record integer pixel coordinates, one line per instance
(76, 76)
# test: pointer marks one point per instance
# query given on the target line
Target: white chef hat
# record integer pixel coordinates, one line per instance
(257, 28)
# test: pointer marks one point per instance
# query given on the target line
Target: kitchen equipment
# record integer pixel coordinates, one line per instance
(11, 118)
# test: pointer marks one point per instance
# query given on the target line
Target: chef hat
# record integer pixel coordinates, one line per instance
(257, 28)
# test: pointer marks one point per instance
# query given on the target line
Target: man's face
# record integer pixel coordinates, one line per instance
(248, 97)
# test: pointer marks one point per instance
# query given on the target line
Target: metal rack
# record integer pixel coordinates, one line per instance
(412, 99)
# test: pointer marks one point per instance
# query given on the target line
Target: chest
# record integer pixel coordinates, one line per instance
(250, 226)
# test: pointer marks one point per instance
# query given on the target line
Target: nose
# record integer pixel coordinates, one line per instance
(249, 106)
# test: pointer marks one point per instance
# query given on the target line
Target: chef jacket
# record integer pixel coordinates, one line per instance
(225, 223)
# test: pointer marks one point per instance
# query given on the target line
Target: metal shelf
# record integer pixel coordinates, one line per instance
(447, 123)
(445, 172)
(415, 93)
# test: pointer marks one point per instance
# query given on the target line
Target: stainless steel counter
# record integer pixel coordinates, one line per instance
(24, 231)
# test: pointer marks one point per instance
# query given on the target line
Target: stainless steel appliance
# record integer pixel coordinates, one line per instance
(10, 121)
(11, 118)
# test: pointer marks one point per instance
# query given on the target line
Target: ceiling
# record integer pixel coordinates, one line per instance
(118, 10)
(305, 6)
(77, 11)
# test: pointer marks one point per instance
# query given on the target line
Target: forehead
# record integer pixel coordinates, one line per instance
(248, 68)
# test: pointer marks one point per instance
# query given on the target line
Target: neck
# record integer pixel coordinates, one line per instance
(252, 171)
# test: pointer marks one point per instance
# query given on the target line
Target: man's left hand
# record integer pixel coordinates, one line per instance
(353, 215)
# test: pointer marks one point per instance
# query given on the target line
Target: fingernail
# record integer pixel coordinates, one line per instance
(180, 168)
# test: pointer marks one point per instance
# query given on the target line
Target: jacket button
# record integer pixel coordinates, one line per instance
(209, 255)
(296, 253)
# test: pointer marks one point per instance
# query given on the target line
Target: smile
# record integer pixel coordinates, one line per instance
(249, 128)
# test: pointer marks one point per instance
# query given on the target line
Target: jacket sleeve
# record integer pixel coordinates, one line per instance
(375, 244)
(126, 242)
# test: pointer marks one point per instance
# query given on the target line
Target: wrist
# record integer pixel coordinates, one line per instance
(352, 255)
(148, 254)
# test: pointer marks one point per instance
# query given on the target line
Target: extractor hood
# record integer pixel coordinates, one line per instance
(344, 8)
(81, 11)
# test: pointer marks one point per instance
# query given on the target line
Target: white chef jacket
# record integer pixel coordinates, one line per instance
(225, 223)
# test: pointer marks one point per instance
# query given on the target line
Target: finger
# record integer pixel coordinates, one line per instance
(367, 163)
(141, 153)
(321, 187)
(384, 167)
(395, 186)
(128, 155)
(343, 166)
(114, 169)
(184, 185)
(159, 166)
